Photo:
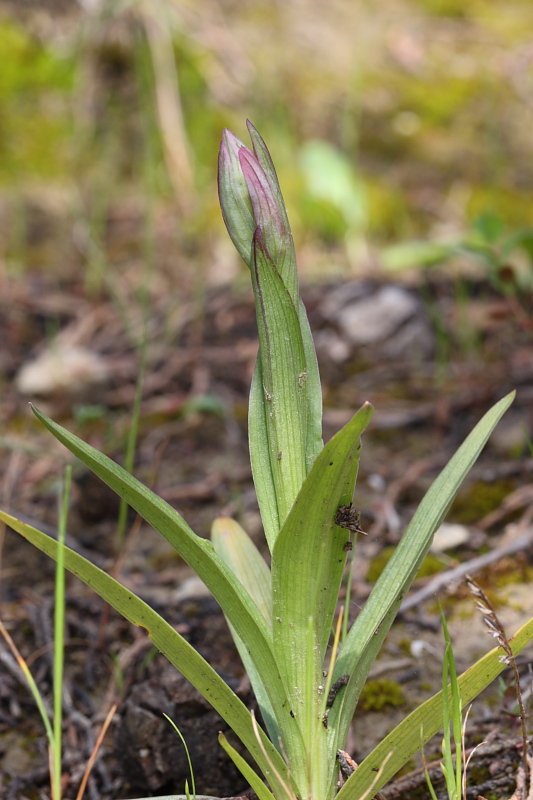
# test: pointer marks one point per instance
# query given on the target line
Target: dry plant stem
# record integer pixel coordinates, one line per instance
(497, 630)
(474, 565)
(523, 496)
(169, 107)
(397, 487)
(97, 745)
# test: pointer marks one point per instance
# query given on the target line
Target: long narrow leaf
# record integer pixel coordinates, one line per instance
(197, 552)
(404, 741)
(307, 567)
(237, 550)
(284, 377)
(260, 457)
(178, 651)
(246, 771)
(258, 430)
(366, 635)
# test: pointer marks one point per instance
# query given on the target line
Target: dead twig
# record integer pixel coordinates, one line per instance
(451, 576)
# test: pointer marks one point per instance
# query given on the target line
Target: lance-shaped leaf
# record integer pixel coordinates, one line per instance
(278, 439)
(237, 550)
(258, 430)
(307, 566)
(178, 651)
(236, 603)
(370, 628)
(405, 740)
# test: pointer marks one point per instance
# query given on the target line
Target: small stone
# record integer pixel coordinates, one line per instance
(449, 536)
(376, 317)
(62, 369)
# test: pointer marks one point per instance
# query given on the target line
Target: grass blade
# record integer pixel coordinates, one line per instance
(59, 636)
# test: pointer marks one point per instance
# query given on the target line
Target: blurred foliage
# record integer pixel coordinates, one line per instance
(405, 121)
(431, 565)
(35, 131)
(503, 255)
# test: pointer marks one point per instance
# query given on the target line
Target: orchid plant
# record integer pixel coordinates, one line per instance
(306, 682)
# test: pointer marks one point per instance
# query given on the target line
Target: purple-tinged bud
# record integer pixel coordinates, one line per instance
(251, 198)
(265, 208)
(263, 156)
(234, 196)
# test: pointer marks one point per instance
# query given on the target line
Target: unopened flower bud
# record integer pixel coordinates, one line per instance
(234, 196)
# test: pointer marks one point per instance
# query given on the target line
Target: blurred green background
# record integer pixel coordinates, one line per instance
(401, 130)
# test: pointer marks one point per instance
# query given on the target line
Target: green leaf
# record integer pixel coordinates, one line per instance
(178, 651)
(331, 176)
(237, 550)
(246, 771)
(409, 255)
(236, 603)
(307, 567)
(284, 387)
(371, 626)
(404, 741)
(258, 430)
(260, 457)
(313, 442)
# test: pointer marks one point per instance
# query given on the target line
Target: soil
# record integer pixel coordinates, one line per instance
(192, 449)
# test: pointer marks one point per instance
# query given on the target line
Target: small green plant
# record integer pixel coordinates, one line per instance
(191, 771)
(452, 718)
(281, 617)
(53, 727)
(454, 726)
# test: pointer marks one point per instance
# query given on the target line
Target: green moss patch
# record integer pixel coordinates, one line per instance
(379, 693)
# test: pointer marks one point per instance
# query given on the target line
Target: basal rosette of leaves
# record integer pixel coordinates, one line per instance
(281, 617)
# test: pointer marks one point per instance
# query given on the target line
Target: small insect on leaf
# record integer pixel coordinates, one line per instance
(349, 519)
